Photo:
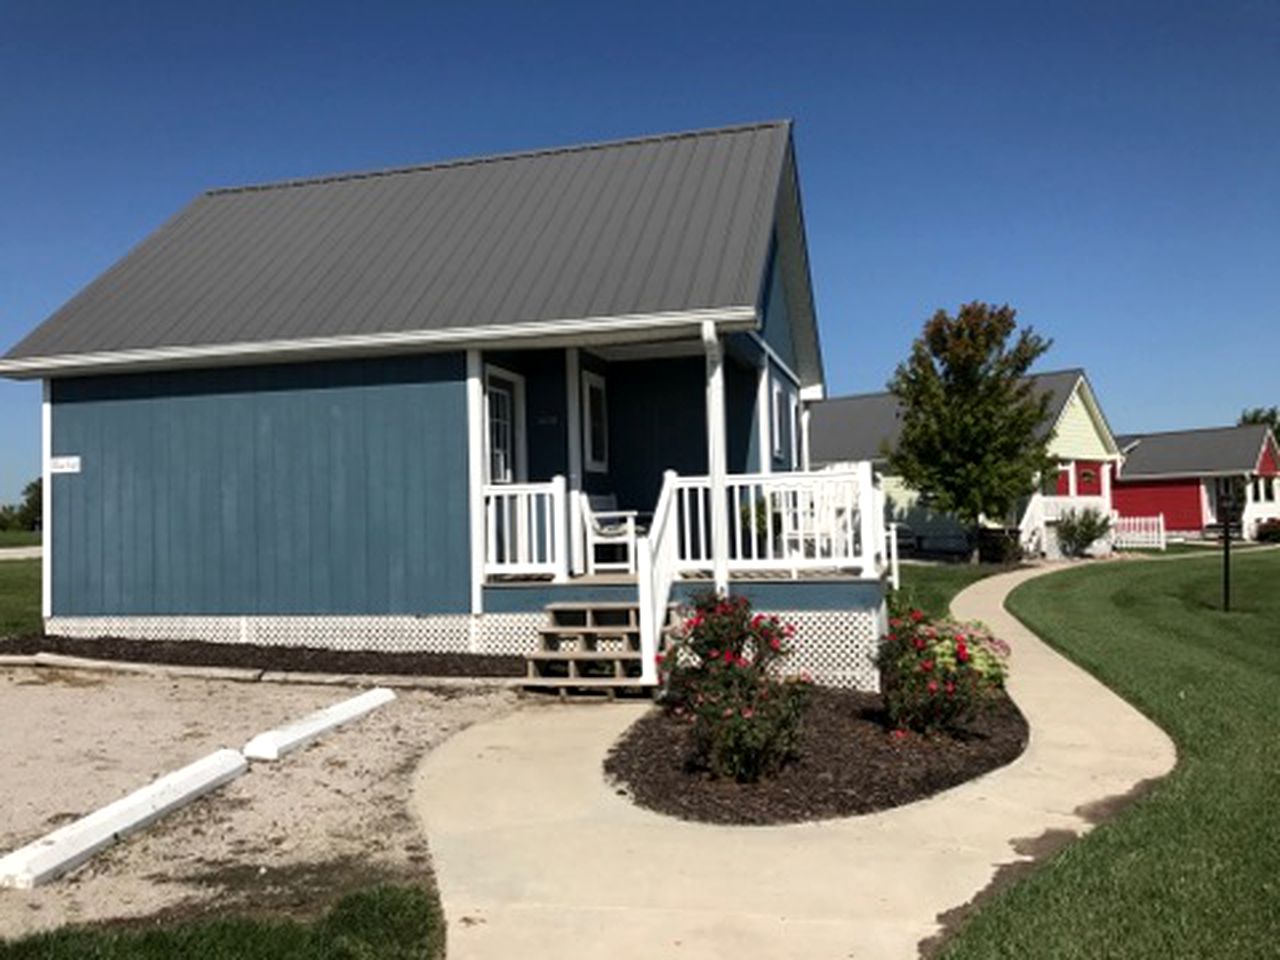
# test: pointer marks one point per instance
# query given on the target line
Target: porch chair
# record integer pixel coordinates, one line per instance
(604, 525)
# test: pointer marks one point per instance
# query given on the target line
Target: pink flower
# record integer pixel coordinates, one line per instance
(747, 713)
(933, 686)
(714, 654)
(926, 666)
(900, 734)
(774, 644)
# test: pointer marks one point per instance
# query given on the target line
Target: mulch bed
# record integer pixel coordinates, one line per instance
(200, 653)
(850, 763)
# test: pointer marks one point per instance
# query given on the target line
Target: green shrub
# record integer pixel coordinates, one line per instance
(1078, 530)
(1268, 531)
(723, 673)
(938, 674)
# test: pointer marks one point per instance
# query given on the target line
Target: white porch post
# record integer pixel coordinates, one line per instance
(764, 414)
(804, 437)
(475, 476)
(573, 428)
(46, 501)
(717, 458)
(869, 521)
(1106, 484)
(1071, 478)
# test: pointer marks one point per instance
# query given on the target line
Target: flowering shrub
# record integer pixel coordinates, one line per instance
(722, 673)
(937, 674)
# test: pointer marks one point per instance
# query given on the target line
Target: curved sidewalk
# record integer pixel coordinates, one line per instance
(537, 856)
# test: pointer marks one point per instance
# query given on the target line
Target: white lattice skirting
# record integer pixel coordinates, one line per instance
(836, 647)
(509, 633)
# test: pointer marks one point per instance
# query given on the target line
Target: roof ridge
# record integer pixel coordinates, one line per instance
(1172, 433)
(885, 393)
(494, 158)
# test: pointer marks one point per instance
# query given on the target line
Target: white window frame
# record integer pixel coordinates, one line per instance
(594, 464)
(776, 419)
(520, 439)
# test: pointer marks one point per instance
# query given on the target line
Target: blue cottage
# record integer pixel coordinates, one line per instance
(480, 406)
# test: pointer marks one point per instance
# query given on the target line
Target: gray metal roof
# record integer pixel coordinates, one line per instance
(667, 224)
(1190, 453)
(860, 427)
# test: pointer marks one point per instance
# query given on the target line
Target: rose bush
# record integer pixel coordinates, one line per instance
(938, 674)
(722, 672)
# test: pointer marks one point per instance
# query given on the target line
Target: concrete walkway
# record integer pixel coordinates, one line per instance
(19, 553)
(537, 856)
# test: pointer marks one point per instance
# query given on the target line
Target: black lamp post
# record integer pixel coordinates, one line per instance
(1231, 494)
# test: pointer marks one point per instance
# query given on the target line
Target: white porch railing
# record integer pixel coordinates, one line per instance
(1138, 532)
(1056, 507)
(525, 529)
(792, 522)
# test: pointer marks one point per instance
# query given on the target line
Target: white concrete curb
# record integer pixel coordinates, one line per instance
(240, 674)
(69, 846)
(274, 744)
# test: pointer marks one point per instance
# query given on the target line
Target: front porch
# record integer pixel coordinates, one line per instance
(635, 475)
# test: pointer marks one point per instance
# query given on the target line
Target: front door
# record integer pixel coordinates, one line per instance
(504, 425)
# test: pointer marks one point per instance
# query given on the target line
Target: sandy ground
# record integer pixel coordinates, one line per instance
(285, 837)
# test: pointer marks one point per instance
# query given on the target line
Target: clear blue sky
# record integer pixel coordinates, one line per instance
(1111, 169)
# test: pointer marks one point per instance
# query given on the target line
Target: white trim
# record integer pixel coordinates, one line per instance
(275, 743)
(46, 500)
(764, 416)
(793, 426)
(603, 329)
(590, 380)
(804, 438)
(775, 415)
(519, 429)
(573, 437)
(773, 355)
(476, 454)
(717, 457)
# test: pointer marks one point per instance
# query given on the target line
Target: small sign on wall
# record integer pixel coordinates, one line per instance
(64, 464)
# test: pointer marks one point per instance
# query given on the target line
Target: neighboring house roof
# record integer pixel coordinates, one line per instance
(861, 427)
(656, 232)
(1214, 451)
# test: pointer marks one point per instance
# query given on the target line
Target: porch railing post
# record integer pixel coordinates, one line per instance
(868, 522)
(558, 523)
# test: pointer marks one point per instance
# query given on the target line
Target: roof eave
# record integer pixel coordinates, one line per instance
(541, 333)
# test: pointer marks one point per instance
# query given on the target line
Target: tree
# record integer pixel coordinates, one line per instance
(30, 511)
(1268, 415)
(971, 440)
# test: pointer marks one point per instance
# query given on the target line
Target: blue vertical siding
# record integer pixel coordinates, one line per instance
(326, 488)
(777, 319)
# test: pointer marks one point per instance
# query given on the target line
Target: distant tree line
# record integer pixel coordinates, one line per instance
(26, 514)
(1268, 415)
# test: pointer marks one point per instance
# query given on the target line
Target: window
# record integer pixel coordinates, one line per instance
(777, 420)
(595, 422)
(504, 425)
(1257, 489)
(1269, 489)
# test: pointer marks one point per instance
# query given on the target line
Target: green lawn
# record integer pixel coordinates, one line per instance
(1192, 869)
(19, 597)
(19, 538)
(388, 923)
(931, 586)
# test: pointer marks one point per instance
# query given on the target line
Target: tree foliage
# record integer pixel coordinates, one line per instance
(25, 515)
(971, 439)
(1268, 415)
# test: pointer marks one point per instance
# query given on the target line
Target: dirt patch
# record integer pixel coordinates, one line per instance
(851, 763)
(199, 653)
(286, 838)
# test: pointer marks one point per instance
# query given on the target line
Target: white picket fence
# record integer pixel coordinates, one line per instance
(1142, 533)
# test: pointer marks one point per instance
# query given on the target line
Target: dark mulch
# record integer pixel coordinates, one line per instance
(850, 763)
(199, 653)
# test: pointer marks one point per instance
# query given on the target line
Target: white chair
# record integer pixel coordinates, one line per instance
(604, 525)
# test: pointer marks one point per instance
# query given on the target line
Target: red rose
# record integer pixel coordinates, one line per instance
(919, 643)
(926, 666)
(728, 656)
(917, 616)
(774, 644)
(933, 686)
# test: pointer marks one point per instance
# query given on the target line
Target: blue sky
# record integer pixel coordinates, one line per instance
(1110, 169)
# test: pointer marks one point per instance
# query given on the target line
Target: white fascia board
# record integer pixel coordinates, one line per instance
(274, 744)
(68, 847)
(776, 360)
(587, 330)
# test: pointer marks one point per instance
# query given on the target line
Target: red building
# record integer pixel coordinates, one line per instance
(1182, 475)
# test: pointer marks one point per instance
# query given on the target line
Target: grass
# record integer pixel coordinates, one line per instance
(389, 923)
(19, 597)
(19, 538)
(932, 586)
(1193, 868)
